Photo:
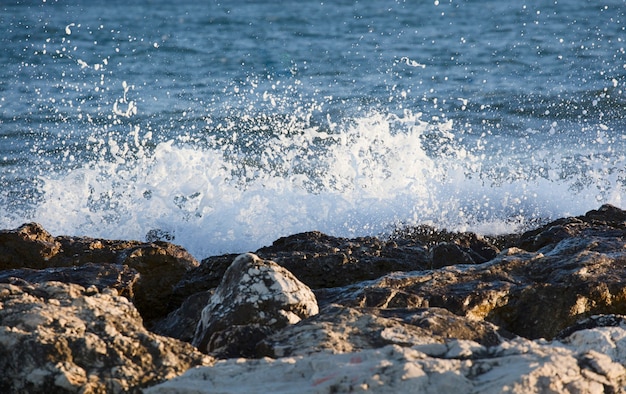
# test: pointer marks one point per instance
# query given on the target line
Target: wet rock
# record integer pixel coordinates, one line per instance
(161, 265)
(58, 337)
(182, 322)
(321, 261)
(606, 222)
(447, 253)
(30, 245)
(118, 277)
(532, 294)
(255, 297)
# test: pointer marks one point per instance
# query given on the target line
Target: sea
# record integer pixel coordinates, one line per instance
(224, 125)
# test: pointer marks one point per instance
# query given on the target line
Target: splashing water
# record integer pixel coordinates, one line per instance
(363, 177)
(122, 130)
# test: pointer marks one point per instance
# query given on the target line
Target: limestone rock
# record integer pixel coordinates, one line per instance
(29, 245)
(255, 293)
(58, 337)
(182, 322)
(531, 294)
(161, 265)
(121, 278)
(516, 366)
(338, 329)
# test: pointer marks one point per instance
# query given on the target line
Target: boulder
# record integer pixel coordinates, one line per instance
(593, 362)
(322, 261)
(338, 329)
(30, 245)
(531, 294)
(256, 297)
(65, 338)
(160, 265)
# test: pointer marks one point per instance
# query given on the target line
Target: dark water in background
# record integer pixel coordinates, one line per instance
(229, 124)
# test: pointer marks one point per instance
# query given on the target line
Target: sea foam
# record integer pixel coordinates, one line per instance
(365, 176)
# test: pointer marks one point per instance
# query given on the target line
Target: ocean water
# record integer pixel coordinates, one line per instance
(223, 125)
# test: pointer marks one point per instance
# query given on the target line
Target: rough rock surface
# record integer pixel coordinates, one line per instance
(575, 269)
(256, 297)
(160, 265)
(458, 366)
(60, 337)
(421, 310)
(338, 329)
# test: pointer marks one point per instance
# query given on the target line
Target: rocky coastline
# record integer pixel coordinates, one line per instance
(421, 311)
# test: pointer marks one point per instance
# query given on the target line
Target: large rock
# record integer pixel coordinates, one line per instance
(321, 261)
(421, 311)
(338, 329)
(532, 294)
(30, 245)
(255, 298)
(590, 362)
(65, 338)
(161, 265)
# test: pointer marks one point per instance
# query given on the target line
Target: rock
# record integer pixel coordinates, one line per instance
(322, 261)
(578, 277)
(182, 322)
(338, 329)
(593, 322)
(518, 366)
(421, 311)
(447, 253)
(59, 337)
(161, 265)
(121, 278)
(254, 293)
(206, 276)
(28, 246)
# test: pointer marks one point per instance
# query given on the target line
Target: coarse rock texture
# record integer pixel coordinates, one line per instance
(420, 310)
(255, 298)
(458, 366)
(160, 265)
(60, 337)
(339, 329)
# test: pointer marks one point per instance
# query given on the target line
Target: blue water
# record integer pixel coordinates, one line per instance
(225, 125)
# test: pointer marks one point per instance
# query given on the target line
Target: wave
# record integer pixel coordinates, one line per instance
(236, 191)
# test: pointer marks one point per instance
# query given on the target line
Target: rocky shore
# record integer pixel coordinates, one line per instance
(421, 311)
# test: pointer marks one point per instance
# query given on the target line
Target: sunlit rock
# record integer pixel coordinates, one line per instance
(255, 298)
(58, 337)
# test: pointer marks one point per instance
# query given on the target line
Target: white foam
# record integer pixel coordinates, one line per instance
(363, 178)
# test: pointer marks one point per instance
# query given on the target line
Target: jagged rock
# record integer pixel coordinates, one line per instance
(594, 322)
(30, 245)
(517, 366)
(338, 329)
(58, 337)
(207, 276)
(447, 253)
(532, 294)
(320, 261)
(255, 293)
(121, 278)
(161, 265)
(606, 222)
(395, 315)
(182, 322)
